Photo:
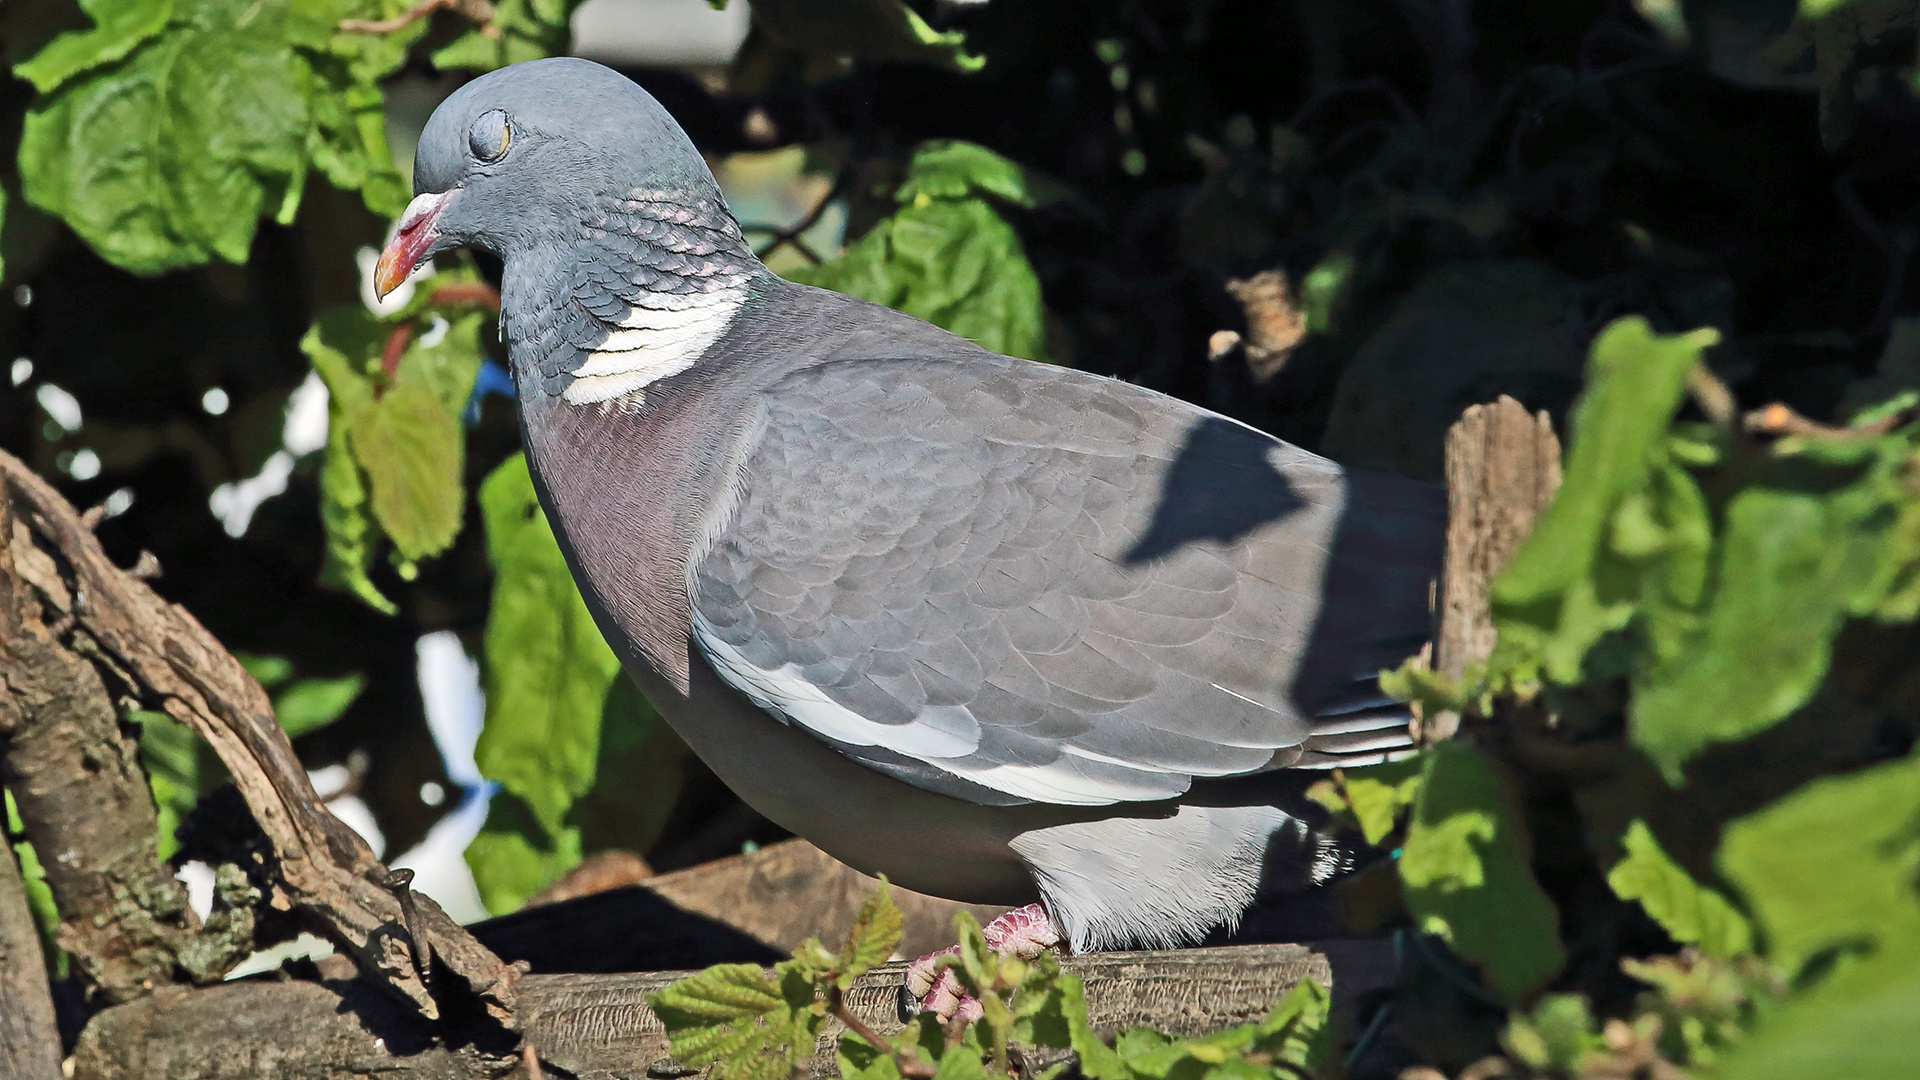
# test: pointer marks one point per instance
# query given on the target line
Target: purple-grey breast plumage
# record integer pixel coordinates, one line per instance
(998, 629)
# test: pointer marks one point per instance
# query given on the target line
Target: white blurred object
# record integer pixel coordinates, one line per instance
(198, 878)
(61, 407)
(215, 401)
(439, 862)
(659, 33)
(85, 465)
(235, 501)
(306, 429)
(450, 690)
(356, 816)
(306, 946)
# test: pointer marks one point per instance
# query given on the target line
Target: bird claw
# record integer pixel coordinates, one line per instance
(1023, 933)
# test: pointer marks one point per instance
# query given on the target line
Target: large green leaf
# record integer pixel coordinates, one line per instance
(395, 448)
(170, 156)
(1858, 1024)
(1566, 587)
(547, 668)
(165, 132)
(1466, 877)
(409, 448)
(947, 255)
(1688, 910)
(1833, 866)
(744, 1020)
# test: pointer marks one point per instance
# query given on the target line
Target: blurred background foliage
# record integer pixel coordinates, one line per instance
(1340, 220)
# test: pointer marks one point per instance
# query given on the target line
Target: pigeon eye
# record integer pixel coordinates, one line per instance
(490, 136)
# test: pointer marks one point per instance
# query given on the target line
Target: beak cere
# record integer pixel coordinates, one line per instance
(409, 244)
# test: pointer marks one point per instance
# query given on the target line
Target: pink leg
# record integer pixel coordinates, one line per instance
(1023, 932)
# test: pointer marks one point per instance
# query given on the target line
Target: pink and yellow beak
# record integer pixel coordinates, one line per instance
(409, 244)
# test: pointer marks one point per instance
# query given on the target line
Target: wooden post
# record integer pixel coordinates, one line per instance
(1503, 466)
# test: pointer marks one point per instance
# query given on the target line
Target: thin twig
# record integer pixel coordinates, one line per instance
(1779, 419)
(481, 12)
(837, 1006)
(470, 293)
(1713, 397)
(531, 1060)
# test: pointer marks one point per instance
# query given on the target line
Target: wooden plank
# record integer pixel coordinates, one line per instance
(598, 1027)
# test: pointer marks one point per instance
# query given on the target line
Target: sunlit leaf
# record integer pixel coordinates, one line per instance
(1692, 913)
(1465, 873)
(1835, 865)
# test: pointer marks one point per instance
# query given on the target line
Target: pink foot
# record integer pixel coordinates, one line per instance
(1023, 932)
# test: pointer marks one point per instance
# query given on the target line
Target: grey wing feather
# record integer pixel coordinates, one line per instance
(1013, 582)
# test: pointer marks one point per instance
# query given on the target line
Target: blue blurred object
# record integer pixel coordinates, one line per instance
(491, 379)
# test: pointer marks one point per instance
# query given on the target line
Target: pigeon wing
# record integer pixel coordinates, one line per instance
(1013, 582)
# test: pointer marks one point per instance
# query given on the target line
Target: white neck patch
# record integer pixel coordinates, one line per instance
(652, 343)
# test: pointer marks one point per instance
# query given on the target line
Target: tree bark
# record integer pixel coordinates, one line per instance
(77, 629)
(599, 1027)
(75, 775)
(29, 1042)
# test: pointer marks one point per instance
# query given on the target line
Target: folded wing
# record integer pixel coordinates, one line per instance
(1011, 582)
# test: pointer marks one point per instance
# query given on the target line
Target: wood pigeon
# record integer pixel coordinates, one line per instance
(1001, 630)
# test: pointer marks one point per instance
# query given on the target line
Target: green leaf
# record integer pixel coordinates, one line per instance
(514, 855)
(311, 704)
(951, 260)
(1565, 587)
(1832, 866)
(1098, 1061)
(268, 671)
(1378, 794)
(33, 877)
(1689, 911)
(737, 1018)
(1557, 1035)
(1857, 1023)
(170, 751)
(409, 447)
(1793, 565)
(1465, 874)
(547, 668)
(1298, 1031)
(525, 30)
(952, 169)
(170, 156)
(875, 934)
(120, 27)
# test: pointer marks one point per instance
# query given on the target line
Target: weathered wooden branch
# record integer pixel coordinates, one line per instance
(598, 1027)
(74, 772)
(29, 1042)
(92, 629)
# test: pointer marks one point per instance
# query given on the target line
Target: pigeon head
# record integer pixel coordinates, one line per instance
(516, 160)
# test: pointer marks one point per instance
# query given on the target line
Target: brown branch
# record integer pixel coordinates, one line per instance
(481, 12)
(29, 1042)
(161, 656)
(74, 771)
(469, 293)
